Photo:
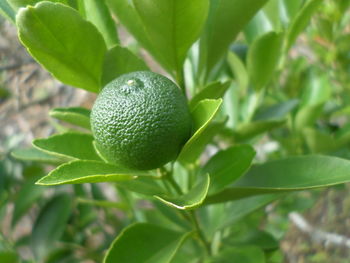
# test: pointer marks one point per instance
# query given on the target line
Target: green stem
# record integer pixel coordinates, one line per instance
(200, 233)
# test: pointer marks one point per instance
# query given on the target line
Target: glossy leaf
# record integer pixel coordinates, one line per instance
(191, 200)
(172, 26)
(215, 90)
(202, 115)
(50, 224)
(73, 115)
(148, 243)
(226, 19)
(35, 155)
(16, 4)
(7, 11)
(227, 166)
(80, 171)
(289, 174)
(248, 130)
(263, 58)
(301, 20)
(246, 254)
(71, 48)
(68, 145)
(119, 61)
(96, 11)
(128, 16)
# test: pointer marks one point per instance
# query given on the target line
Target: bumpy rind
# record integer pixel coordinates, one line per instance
(141, 120)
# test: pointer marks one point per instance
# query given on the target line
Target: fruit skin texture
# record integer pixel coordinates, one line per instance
(140, 121)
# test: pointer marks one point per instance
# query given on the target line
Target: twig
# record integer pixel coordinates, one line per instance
(316, 234)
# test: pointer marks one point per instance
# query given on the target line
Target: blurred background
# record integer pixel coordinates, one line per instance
(313, 226)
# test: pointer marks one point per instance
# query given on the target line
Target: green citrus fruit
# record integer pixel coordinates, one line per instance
(140, 120)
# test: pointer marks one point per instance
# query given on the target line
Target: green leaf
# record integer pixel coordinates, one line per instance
(28, 194)
(246, 254)
(226, 19)
(307, 116)
(79, 171)
(8, 257)
(301, 21)
(50, 224)
(73, 115)
(71, 48)
(35, 155)
(7, 11)
(68, 145)
(263, 58)
(239, 209)
(148, 243)
(277, 111)
(172, 26)
(289, 174)
(191, 200)
(248, 130)
(239, 71)
(96, 11)
(127, 15)
(227, 166)
(255, 237)
(118, 61)
(16, 4)
(202, 115)
(215, 90)
(143, 185)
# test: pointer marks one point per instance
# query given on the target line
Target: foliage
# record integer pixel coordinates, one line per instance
(235, 61)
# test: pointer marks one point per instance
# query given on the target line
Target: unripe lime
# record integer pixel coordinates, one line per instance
(141, 120)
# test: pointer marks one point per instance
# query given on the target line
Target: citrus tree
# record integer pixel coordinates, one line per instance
(186, 142)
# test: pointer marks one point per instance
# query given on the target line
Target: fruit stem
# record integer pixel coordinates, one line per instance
(181, 81)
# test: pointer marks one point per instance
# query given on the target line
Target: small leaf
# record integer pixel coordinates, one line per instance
(149, 243)
(263, 58)
(28, 194)
(277, 111)
(119, 61)
(71, 48)
(249, 130)
(289, 174)
(77, 172)
(227, 166)
(35, 155)
(172, 26)
(50, 224)
(202, 115)
(246, 254)
(73, 115)
(239, 209)
(191, 200)
(301, 20)
(69, 145)
(7, 11)
(215, 90)
(97, 12)
(225, 20)
(239, 71)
